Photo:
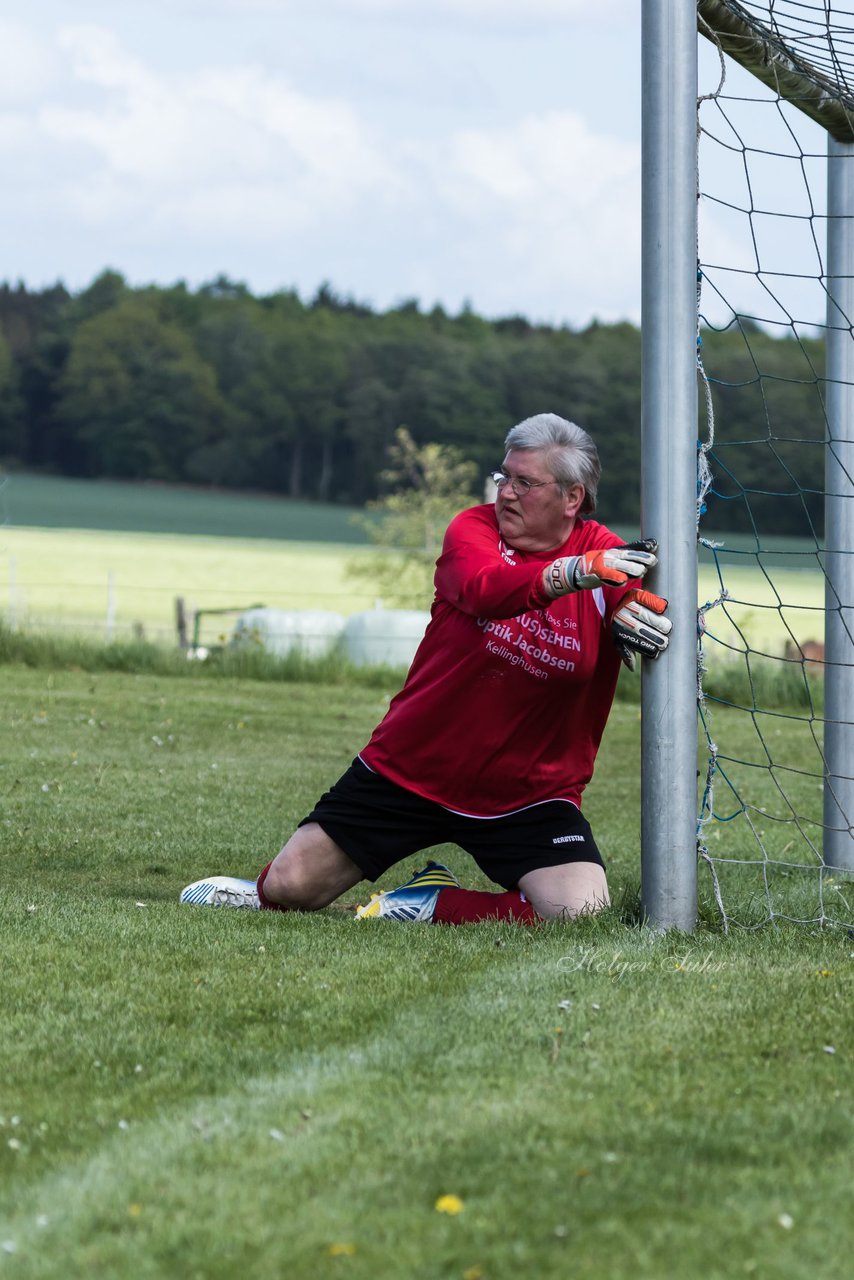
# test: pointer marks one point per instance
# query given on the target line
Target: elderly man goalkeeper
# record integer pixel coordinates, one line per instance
(492, 739)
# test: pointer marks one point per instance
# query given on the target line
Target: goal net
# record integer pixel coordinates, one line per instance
(776, 490)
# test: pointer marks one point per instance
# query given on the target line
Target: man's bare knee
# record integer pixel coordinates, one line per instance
(310, 872)
(568, 891)
(288, 887)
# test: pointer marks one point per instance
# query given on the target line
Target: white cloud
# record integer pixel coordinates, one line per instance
(288, 170)
(543, 159)
(27, 64)
(559, 204)
(490, 10)
(16, 134)
(210, 149)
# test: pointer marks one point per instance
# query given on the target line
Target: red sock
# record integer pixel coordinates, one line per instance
(266, 904)
(468, 906)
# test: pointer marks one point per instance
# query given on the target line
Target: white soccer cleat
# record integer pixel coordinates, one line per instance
(221, 891)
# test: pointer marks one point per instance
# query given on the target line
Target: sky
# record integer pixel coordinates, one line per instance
(480, 152)
(460, 152)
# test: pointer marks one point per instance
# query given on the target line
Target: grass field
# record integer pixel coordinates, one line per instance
(194, 1093)
(105, 559)
(68, 578)
(58, 502)
(108, 558)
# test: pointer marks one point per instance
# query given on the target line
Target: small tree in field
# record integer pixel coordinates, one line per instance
(428, 484)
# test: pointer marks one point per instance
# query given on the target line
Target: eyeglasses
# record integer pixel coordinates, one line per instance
(520, 486)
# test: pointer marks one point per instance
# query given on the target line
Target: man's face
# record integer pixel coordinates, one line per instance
(543, 518)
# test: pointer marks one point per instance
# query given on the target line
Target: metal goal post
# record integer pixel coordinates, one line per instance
(669, 424)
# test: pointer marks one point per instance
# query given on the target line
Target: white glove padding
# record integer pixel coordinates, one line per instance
(639, 627)
(608, 567)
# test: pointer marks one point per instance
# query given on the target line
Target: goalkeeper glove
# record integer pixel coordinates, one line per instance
(605, 568)
(638, 627)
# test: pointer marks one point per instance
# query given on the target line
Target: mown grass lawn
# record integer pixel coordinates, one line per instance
(196, 1093)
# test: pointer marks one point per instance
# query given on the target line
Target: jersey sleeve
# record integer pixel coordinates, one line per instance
(475, 576)
(479, 575)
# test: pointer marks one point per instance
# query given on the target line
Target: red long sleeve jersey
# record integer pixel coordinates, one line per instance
(507, 697)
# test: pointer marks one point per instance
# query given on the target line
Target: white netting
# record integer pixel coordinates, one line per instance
(763, 285)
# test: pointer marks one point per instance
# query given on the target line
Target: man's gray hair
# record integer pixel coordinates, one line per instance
(572, 455)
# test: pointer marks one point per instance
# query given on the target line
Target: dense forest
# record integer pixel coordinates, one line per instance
(218, 387)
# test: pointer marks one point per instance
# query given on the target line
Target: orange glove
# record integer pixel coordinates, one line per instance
(608, 567)
(638, 626)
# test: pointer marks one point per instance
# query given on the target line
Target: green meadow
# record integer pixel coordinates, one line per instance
(60, 502)
(109, 583)
(105, 559)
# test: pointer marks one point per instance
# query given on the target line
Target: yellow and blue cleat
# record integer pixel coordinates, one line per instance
(415, 900)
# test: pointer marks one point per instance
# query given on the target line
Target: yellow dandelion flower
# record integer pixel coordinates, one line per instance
(342, 1250)
(134, 1210)
(449, 1204)
(473, 1273)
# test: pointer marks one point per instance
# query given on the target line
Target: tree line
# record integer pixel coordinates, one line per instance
(216, 386)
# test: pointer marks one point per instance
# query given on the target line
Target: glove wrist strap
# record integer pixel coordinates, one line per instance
(559, 576)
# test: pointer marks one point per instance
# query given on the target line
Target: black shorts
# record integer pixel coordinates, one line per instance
(377, 823)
